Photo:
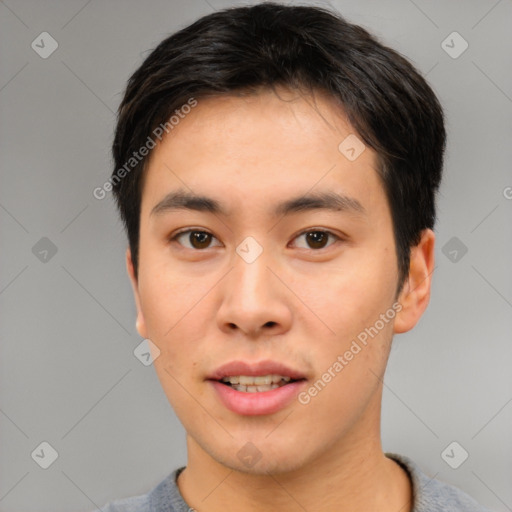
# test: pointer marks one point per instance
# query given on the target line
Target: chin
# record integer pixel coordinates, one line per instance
(265, 467)
(264, 461)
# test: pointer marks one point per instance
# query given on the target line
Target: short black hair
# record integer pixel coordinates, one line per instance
(244, 49)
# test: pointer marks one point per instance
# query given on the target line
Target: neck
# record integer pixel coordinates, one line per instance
(353, 475)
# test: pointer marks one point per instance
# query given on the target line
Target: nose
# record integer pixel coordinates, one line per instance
(254, 299)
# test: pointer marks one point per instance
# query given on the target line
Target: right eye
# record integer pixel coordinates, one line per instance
(197, 239)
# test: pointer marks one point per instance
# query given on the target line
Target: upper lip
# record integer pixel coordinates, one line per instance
(254, 369)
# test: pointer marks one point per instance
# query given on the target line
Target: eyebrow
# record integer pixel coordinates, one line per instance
(333, 201)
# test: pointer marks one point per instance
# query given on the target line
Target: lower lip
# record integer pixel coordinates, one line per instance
(259, 403)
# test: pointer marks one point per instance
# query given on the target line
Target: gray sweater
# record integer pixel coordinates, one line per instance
(429, 495)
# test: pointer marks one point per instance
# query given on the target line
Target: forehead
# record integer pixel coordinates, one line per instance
(266, 146)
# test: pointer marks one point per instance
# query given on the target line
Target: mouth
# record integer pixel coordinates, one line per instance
(258, 388)
(258, 384)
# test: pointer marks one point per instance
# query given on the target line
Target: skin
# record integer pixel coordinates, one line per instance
(205, 307)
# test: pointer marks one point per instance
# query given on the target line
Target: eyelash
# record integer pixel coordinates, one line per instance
(174, 237)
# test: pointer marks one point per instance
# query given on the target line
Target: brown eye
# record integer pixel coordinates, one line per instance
(195, 239)
(317, 239)
(200, 239)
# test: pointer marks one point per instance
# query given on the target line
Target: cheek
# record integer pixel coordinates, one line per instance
(352, 295)
(348, 378)
(351, 303)
(167, 299)
(177, 313)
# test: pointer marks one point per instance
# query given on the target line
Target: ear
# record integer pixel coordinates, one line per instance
(140, 324)
(415, 294)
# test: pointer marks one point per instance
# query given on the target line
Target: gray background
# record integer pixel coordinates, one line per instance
(68, 374)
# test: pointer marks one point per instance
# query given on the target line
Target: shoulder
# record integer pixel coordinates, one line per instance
(431, 495)
(165, 497)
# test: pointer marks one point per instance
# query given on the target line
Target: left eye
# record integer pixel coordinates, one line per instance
(317, 239)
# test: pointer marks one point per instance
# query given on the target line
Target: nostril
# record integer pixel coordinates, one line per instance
(232, 326)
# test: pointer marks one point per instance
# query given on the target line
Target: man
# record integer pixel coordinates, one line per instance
(276, 170)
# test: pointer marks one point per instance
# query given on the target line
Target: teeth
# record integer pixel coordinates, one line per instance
(265, 380)
(255, 389)
(250, 382)
(260, 383)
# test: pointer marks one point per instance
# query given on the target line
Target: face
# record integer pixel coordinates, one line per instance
(281, 280)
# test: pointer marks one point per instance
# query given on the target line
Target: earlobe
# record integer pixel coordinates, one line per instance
(415, 293)
(140, 323)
